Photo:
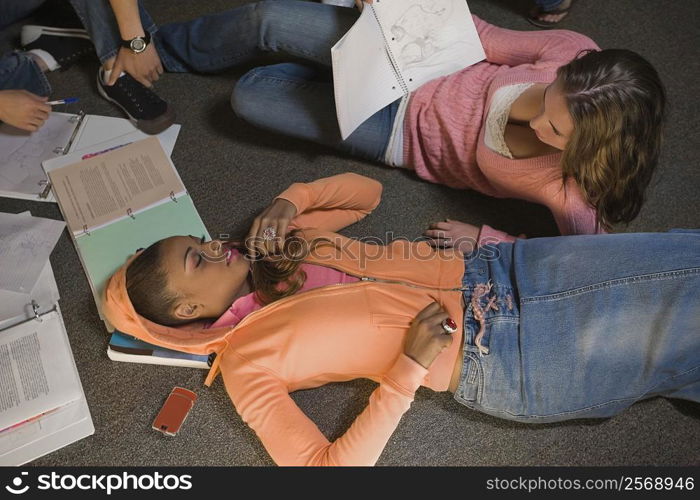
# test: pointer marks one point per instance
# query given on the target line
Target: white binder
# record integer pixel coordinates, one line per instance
(21, 172)
(55, 414)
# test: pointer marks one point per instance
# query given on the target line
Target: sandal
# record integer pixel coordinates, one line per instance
(534, 16)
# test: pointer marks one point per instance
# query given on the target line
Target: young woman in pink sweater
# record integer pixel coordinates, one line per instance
(547, 117)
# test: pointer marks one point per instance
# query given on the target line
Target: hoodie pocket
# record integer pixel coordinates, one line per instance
(391, 320)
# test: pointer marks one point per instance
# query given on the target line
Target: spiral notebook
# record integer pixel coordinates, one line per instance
(395, 47)
(119, 201)
(21, 172)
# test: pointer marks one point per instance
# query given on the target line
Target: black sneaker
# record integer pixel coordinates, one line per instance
(145, 109)
(66, 45)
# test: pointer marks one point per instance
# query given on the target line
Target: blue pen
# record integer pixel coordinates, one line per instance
(63, 101)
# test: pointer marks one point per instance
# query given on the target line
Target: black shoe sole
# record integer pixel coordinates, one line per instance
(150, 127)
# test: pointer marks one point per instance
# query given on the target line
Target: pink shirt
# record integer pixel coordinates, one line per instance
(316, 276)
(444, 125)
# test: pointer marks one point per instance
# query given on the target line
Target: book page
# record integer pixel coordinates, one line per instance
(25, 245)
(48, 433)
(23, 152)
(104, 188)
(37, 373)
(429, 38)
(363, 77)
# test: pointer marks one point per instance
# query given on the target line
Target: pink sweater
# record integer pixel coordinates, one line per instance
(444, 132)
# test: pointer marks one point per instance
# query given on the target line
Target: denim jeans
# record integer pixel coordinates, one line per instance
(98, 18)
(581, 326)
(19, 71)
(12, 11)
(292, 98)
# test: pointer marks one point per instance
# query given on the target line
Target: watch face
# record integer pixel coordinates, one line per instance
(138, 45)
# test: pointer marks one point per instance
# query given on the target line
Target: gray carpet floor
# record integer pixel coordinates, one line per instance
(232, 170)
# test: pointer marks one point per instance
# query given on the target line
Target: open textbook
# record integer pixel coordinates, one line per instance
(119, 201)
(42, 405)
(395, 47)
(36, 370)
(21, 172)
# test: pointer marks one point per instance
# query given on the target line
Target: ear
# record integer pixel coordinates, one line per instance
(187, 311)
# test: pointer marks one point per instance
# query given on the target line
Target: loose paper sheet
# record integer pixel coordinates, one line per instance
(23, 152)
(25, 245)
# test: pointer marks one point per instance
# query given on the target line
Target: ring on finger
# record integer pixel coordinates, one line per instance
(269, 233)
(449, 326)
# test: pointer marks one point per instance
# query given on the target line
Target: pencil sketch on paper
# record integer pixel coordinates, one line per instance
(423, 31)
(21, 169)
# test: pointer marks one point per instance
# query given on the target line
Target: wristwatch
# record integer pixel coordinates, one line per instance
(137, 44)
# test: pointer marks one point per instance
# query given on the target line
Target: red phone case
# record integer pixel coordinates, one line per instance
(174, 412)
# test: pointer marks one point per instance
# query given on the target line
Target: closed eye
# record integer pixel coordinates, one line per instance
(555, 129)
(544, 97)
(201, 242)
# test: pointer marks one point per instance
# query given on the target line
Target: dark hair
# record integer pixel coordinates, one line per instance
(273, 279)
(147, 287)
(616, 100)
(280, 276)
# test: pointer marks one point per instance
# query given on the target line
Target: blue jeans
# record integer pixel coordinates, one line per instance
(98, 18)
(581, 326)
(12, 11)
(19, 71)
(293, 99)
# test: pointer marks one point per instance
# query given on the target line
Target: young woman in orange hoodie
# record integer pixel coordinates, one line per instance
(538, 330)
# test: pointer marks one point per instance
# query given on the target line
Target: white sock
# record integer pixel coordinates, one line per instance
(107, 72)
(48, 59)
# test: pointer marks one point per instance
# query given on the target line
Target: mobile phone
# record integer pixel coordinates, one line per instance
(174, 412)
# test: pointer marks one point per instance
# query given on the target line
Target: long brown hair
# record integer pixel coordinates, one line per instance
(279, 276)
(273, 278)
(617, 101)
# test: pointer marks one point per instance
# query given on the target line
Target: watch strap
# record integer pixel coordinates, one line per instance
(146, 38)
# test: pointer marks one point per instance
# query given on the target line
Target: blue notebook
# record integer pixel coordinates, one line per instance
(124, 347)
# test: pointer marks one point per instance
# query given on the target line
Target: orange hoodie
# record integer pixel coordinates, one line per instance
(333, 333)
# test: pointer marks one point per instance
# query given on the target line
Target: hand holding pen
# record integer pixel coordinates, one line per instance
(23, 109)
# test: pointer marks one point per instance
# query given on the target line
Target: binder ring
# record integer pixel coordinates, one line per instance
(172, 196)
(85, 230)
(59, 150)
(35, 308)
(130, 213)
(78, 117)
